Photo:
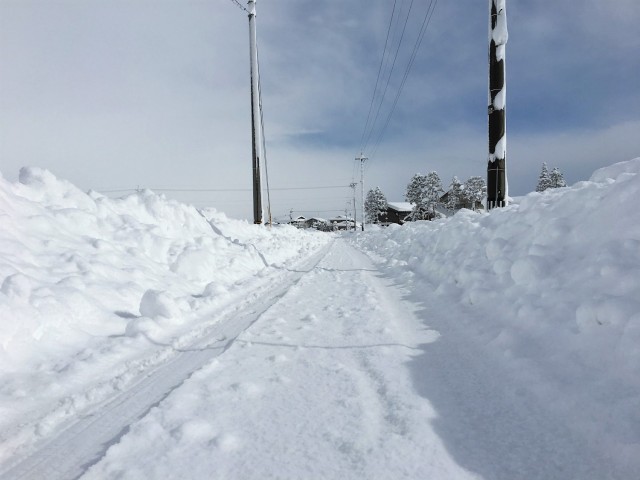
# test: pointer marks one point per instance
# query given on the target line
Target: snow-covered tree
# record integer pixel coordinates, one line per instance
(375, 205)
(424, 192)
(415, 195)
(544, 180)
(475, 189)
(556, 179)
(433, 191)
(455, 193)
(415, 188)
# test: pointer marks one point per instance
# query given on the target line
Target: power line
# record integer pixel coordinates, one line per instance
(318, 211)
(375, 89)
(312, 188)
(171, 189)
(425, 24)
(239, 5)
(384, 93)
(370, 126)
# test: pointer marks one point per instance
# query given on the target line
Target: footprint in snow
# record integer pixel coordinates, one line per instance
(278, 358)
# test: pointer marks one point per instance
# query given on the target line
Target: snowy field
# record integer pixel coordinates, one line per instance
(141, 338)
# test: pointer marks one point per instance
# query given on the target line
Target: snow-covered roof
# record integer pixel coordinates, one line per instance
(401, 206)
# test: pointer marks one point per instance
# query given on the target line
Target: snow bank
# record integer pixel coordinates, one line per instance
(553, 287)
(75, 266)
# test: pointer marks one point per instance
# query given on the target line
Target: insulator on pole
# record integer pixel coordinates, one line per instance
(497, 186)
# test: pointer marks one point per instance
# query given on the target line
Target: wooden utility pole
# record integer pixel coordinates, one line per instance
(256, 130)
(497, 191)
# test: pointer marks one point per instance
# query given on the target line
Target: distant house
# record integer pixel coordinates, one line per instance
(341, 223)
(314, 222)
(397, 212)
(463, 202)
(298, 222)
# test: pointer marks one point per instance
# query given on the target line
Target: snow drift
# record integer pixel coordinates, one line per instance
(552, 285)
(76, 266)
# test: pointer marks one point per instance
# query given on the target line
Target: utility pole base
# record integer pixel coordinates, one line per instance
(496, 184)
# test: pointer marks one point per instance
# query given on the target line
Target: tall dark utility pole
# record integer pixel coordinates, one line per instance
(497, 186)
(256, 130)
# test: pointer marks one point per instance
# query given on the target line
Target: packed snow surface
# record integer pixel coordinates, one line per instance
(142, 338)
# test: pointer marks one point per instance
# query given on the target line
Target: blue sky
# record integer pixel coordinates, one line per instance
(118, 94)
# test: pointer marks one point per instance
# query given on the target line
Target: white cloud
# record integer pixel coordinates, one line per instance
(114, 94)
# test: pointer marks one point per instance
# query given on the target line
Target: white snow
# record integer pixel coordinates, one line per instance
(141, 338)
(87, 282)
(551, 287)
(500, 34)
(500, 150)
(500, 101)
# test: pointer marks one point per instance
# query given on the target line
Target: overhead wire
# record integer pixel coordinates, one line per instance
(173, 189)
(425, 24)
(370, 126)
(375, 88)
(384, 93)
(239, 5)
(264, 145)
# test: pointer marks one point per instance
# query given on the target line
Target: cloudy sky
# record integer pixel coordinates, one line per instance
(120, 94)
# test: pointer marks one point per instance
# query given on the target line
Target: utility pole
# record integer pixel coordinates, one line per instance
(497, 186)
(362, 160)
(355, 216)
(256, 131)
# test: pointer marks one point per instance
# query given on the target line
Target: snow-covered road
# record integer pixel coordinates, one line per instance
(330, 372)
(317, 387)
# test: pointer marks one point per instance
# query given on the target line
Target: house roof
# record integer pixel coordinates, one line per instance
(400, 206)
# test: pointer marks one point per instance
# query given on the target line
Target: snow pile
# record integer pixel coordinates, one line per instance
(76, 267)
(550, 285)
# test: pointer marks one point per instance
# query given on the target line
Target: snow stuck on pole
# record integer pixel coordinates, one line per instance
(497, 191)
(256, 131)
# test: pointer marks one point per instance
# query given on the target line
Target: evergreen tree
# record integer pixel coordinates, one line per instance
(415, 188)
(455, 193)
(433, 191)
(375, 205)
(544, 181)
(475, 189)
(415, 194)
(556, 179)
(424, 192)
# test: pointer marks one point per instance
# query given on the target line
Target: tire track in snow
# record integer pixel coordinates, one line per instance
(317, 388)
(70, 453)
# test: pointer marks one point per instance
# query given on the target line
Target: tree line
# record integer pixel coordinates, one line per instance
(425, 193)
(547, 179)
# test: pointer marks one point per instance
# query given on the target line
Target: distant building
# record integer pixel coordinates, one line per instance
(397, 212)
(314, 222)
(298, 222)
(341, 223)
(463, 202)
